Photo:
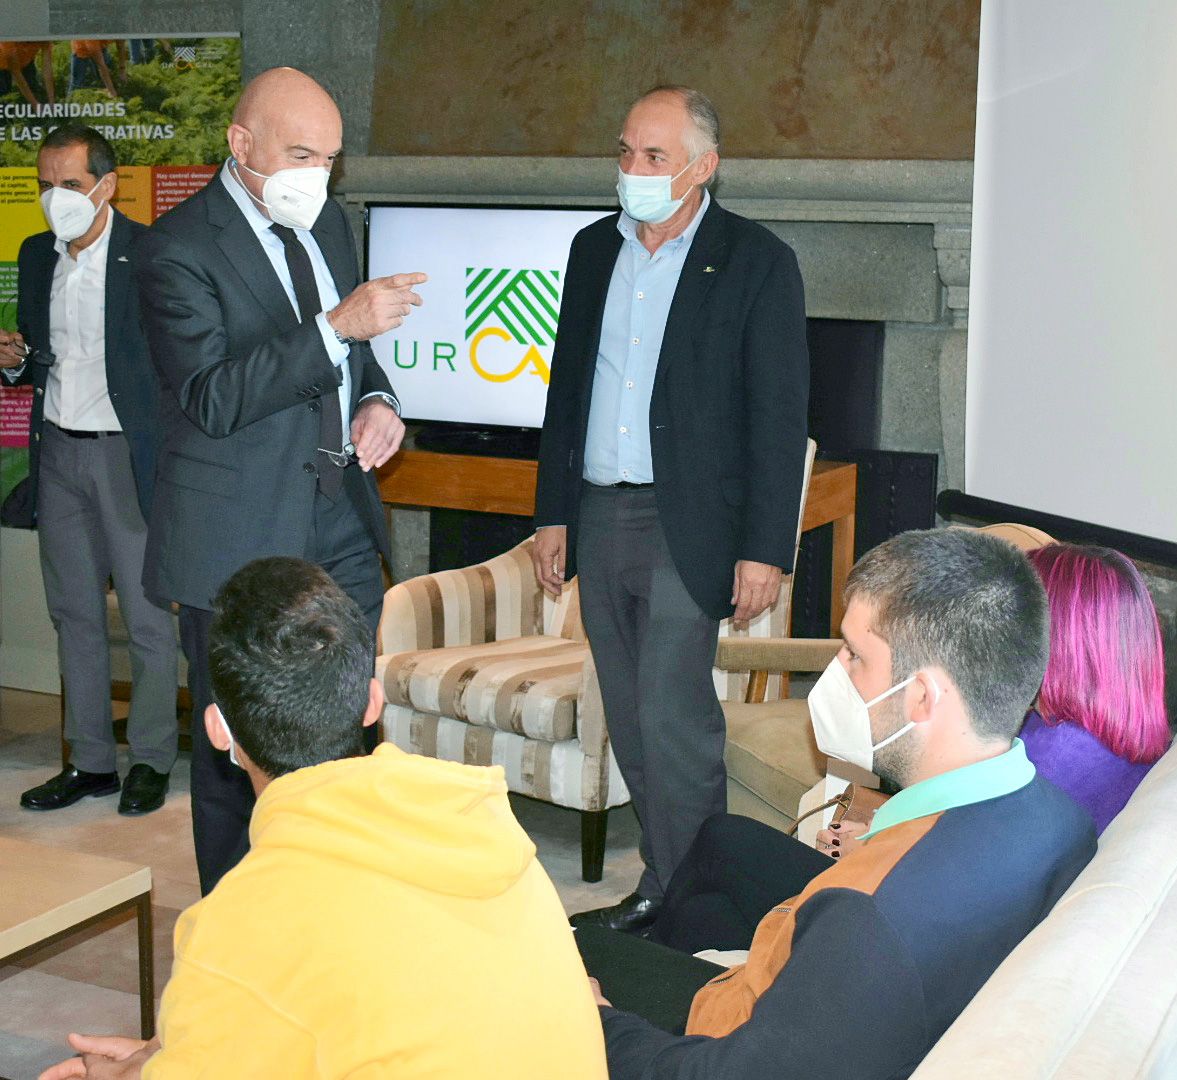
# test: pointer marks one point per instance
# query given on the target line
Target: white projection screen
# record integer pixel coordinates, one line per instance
(1072, 349)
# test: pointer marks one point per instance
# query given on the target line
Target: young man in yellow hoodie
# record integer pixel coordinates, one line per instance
(390, 918)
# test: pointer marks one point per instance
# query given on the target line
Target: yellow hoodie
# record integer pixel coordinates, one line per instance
(390, 920)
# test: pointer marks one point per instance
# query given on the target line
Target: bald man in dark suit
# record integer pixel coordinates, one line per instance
(275, 410)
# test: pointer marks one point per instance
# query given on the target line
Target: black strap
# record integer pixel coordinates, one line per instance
(306, 292)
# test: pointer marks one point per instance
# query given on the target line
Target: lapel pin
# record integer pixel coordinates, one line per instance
(708, 269)
(123, 258)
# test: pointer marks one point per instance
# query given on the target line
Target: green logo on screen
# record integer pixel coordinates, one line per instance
(517, 307)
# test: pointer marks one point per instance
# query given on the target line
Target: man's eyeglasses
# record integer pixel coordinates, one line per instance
(341, 460)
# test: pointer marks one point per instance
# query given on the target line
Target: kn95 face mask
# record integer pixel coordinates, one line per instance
(841, 719)
(294, 197)
(69, 213)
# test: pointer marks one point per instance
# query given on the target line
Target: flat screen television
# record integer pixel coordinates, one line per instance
(477, 353)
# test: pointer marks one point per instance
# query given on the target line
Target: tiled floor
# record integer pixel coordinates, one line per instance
(90, 983)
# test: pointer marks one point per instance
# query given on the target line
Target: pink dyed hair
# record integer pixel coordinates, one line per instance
(1106, 670)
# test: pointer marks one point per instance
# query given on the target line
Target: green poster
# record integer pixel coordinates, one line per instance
(163, 103)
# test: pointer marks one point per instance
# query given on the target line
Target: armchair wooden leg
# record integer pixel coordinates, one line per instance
(593, 826)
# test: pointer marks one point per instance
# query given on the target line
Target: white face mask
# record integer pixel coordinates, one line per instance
(647, 198)
(229, 736)
(294, 197)
(69, 213)
(841, 719)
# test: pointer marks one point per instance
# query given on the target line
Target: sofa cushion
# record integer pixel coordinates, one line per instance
(771, 751)
(527, 685)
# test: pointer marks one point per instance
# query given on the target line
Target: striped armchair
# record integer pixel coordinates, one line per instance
(479, 665)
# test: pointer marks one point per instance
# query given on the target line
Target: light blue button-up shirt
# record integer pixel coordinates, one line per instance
(617, 447)
(328, 294)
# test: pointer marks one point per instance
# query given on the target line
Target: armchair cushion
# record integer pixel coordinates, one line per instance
(771, 753)
(525, 685)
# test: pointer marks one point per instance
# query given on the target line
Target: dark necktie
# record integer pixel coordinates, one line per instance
(306, 292)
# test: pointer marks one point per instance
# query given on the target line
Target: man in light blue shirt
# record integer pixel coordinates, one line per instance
(640, 292)
(671, 462)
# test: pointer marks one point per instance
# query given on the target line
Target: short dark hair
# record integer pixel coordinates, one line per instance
(290, 659)
(966, 602)
(100, 158)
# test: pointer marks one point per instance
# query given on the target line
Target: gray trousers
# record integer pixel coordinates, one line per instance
(654, 650)
(90, 529)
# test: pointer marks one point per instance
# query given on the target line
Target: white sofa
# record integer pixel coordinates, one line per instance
(1091, 994)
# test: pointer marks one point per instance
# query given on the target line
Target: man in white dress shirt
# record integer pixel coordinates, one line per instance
(92, 442)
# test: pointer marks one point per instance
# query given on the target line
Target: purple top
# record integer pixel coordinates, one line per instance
(1071, 758)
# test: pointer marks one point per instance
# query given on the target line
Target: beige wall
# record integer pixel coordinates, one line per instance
(790, 78)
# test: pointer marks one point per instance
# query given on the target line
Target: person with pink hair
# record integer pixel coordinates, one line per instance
(1098, 723)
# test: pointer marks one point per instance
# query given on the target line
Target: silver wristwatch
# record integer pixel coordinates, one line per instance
(388, 400)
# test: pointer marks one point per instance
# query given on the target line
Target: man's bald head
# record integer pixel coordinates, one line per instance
(277, 92)
(283, 120)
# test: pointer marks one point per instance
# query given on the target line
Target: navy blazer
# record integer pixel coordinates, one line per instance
(242, 379)
(728, 413)
(130, 377)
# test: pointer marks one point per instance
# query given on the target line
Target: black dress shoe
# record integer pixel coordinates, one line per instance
(67, 787)
(143, 790)
(633, 915)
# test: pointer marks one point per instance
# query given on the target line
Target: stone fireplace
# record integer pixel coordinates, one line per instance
(879, 241)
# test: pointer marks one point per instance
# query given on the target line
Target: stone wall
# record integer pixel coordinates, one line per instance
(816, 78)
(806, 79)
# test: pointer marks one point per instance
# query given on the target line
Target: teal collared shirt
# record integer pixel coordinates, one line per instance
(974, 783)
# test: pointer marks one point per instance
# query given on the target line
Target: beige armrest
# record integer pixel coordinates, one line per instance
(775, 655)
(412, 617)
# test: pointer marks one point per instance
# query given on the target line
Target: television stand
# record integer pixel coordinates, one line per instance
(519, 443)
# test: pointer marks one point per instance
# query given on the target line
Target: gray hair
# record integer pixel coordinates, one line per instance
(968, 603)
(703, 134)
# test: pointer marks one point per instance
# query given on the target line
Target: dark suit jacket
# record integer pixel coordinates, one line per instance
(728, 410)
(130, 377)
(242, 382)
